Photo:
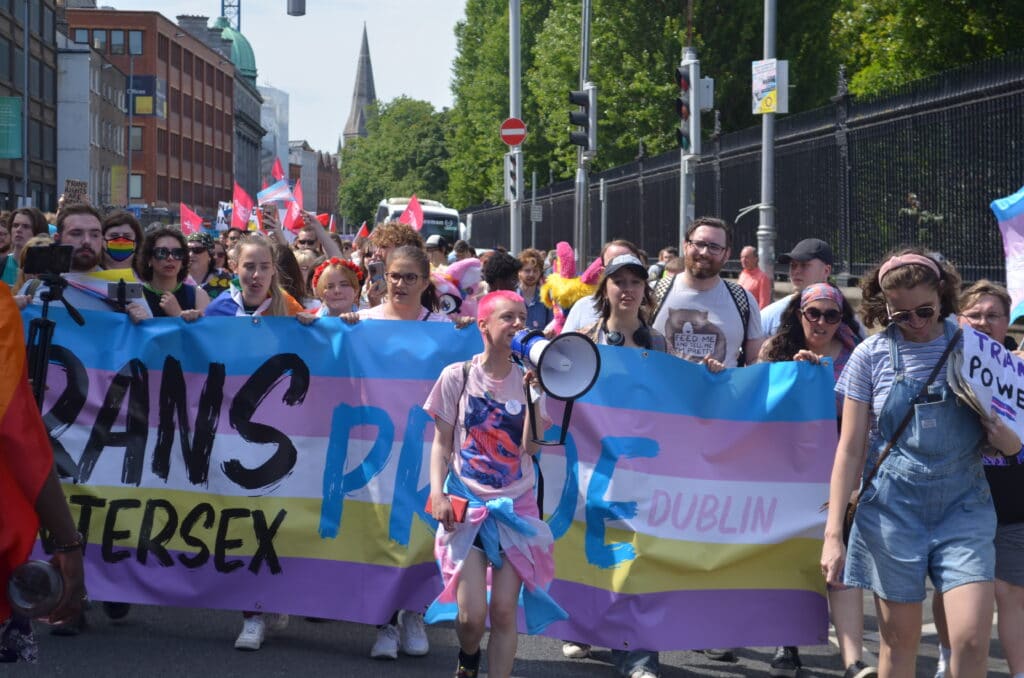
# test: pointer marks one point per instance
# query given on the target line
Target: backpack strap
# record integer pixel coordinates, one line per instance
(739, 297)
(458, 402)
(661, 289)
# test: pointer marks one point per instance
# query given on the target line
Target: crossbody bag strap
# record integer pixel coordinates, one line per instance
(910, 412)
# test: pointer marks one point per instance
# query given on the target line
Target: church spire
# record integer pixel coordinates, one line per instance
(363, 94)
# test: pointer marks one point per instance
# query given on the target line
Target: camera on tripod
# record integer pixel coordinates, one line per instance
(48, 261)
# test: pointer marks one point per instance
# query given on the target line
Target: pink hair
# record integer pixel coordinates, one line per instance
(487, 303)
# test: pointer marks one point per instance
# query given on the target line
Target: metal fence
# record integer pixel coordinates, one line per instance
(919, 165)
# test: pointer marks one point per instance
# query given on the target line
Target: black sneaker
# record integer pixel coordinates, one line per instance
(859, 669)
(720, 655)
(469, 665)
(786, 663)
(115, 611)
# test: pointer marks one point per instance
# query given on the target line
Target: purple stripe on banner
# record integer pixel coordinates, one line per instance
(330, 589)
(688, 620)
(310, 418)
(798, 452)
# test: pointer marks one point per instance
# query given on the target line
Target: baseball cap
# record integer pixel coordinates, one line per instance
(807, 249)
(624, 260)
(436, 241)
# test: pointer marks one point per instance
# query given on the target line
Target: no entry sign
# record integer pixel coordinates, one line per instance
(513, 131)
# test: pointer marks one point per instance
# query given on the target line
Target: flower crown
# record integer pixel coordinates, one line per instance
(335, 261)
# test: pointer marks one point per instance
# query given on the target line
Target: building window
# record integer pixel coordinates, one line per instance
(198, 152)
(161, 141)
(199, 70)
(117, 42)
(82, 36)
(49, 85)
(135, 44)
(135, 186)
(209, 115)
(163, 45)
(33, 20)
(19, 68)
(48, 25)
(161, 187)
(34, 78)
(187, 63)
(199, 112)
(136, 140)
(35, 140)
(175, 100)
(176, 56)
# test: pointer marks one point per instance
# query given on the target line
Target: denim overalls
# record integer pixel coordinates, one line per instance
(928, 511)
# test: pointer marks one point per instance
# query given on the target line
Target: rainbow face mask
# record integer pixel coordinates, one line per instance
(120, 249)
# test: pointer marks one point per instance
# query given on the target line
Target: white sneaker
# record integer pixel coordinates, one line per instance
(277, 622)
(940, 668)
(251, 637)
(413, 634)
(386, 645)
(571, 650)
(643, 673)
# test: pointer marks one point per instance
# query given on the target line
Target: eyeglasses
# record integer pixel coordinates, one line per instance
(196, 250)
(831, 316)
(161, 253)
(408, 278)
(306, 242)
(713, 249)
(900, 317)
(975, 317)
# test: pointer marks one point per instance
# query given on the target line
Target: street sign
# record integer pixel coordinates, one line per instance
(513, 131)
(536, 213)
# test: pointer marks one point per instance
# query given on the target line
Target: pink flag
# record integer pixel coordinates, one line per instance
(190, 221)
(277, 171)
(363, 232)
(241, 208)
(293, 216)
(413, 214)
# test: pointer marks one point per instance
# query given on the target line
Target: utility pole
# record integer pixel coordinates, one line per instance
(688, 106)
(26, 193)
(587, 93)
(515, 111)
(766, 212)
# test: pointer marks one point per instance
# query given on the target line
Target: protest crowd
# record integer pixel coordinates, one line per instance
(932, 481)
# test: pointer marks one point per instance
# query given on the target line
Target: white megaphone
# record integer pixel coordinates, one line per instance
(567, 367)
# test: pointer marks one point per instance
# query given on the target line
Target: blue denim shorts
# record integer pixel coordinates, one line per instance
(916, 521)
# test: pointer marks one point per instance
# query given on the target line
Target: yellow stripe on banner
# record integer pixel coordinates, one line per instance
(670, 565)
(297, 536)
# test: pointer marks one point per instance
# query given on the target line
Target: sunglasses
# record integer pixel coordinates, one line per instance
(408, 278)
(306, 242)
(161, 253)
(900, 317)
(196, 250)
(831, 316)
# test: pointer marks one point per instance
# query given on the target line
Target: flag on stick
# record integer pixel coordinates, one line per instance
(293, 216)
(276, 192)
(190, 221)
(241, 208)
(413, 214)
(363, 231)
(277, 171)
(1010, 213)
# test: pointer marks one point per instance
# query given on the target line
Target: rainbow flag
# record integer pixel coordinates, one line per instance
(292, 477)
(1010, 213)
(25, 454)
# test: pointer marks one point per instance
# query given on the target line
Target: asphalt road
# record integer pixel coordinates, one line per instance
(165, 641)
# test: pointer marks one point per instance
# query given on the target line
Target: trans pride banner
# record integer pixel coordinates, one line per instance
(1010, 213)
(263, 465)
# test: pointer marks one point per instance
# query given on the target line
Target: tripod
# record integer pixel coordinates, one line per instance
(40, 334)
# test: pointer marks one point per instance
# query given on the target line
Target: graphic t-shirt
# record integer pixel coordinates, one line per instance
(489, 429)
(699, 323)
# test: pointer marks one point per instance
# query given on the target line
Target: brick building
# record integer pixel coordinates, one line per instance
(180, 105)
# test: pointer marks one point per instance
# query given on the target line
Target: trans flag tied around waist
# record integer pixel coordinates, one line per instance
(292, 477)
(25, 454)
(1010, 213)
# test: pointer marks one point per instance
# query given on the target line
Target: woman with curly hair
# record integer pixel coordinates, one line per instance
(927, 510)
(162, 265)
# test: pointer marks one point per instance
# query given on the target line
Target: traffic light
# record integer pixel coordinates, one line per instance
(683, 106)
(585, 118)
(512, 176)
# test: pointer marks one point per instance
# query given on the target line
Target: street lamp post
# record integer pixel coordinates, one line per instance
(131, 121)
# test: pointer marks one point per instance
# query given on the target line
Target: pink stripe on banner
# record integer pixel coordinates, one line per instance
(689, 620)
(311, 418)
(709, 449)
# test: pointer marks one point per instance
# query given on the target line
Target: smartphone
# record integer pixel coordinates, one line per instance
(50, 259)
(376, 271)
(131, 291)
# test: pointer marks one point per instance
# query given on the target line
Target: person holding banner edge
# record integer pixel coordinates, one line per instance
(985, 307)
(481, 453)
(929, 511)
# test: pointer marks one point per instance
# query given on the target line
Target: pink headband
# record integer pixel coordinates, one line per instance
(819, 291)
(907, 260)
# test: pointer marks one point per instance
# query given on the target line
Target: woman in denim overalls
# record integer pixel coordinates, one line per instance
(928, 512)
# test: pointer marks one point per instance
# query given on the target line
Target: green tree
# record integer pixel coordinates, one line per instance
(886, 43)
(403, 153)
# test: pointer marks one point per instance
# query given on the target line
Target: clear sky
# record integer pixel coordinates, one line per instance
(313, 57)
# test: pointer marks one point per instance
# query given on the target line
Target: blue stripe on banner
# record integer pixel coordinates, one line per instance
(633, 379)
(108, 339)
(1009, 207)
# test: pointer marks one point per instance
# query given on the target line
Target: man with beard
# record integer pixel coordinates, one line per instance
(81, 226)
(703, 317)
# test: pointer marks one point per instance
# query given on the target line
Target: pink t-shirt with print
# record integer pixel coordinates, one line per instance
(490, 429)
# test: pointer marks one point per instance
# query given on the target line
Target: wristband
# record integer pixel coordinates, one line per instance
(77, 544)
